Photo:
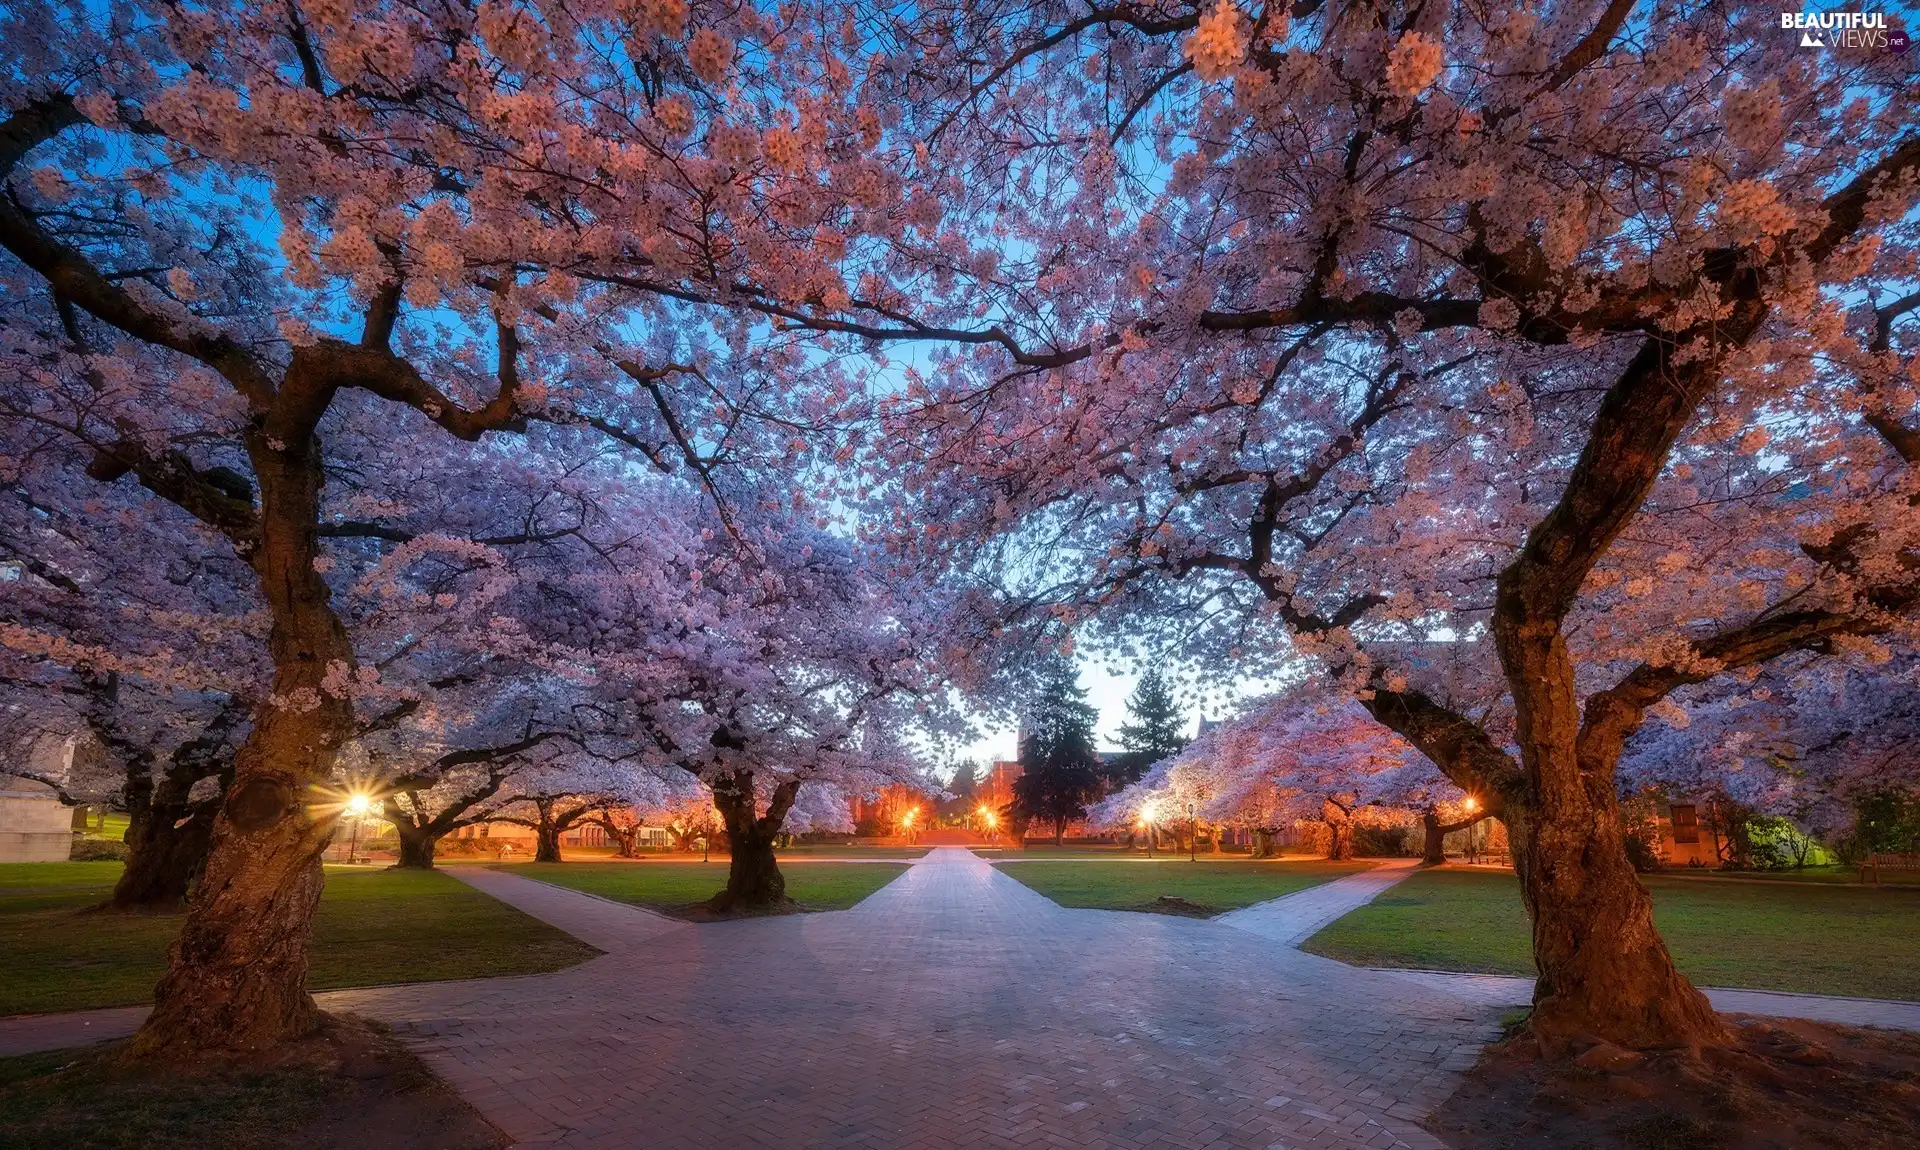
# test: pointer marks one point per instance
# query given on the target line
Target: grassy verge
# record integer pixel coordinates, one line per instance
(1848, 940)
(352, 1085)
(671, 888)
(56, 953)
(849, 851)
(1210, 886)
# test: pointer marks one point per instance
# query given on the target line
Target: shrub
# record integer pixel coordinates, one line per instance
(1388, 842)
(1885, 822)
(99, 850)
(1640, 828)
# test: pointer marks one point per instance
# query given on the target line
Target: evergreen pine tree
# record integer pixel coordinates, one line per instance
(1155, 730)
(1060, 770)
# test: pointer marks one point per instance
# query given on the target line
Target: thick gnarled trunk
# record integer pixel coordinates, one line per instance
(1605, 973)
(546, 843)
(236, 976)
(754, 881)
(753, 876)
(416, 847)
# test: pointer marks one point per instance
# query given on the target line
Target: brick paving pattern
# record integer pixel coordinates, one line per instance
(955, 1008)
(1508, 991)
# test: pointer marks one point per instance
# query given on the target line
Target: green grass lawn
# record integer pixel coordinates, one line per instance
(1763, 936)
(671, 886)
(352, 1084)
(1846, 875)
(1219, 886)
(374, 926)
(849, 851)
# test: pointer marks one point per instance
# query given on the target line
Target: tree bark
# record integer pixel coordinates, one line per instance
(1340, 829)
(167, 847)
(236, 977)
(417, 845)
(546, 842)
(1434, 852)
(1605, 973)
(754, 881)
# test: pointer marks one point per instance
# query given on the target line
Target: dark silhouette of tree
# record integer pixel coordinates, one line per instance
(966, 776)
(1154, 731)
(1060, 770)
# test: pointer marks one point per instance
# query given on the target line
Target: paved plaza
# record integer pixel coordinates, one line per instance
(955, 1008)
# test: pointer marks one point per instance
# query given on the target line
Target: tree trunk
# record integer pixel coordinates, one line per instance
(1059, 832)
(1340, 830)
(626, 840)
(546, 842)
(753, 876)
(754, 881)
(1604, 971)
(167, 847)
(416, 846)
(1340, 848)
(236, 976)
(1434, 852)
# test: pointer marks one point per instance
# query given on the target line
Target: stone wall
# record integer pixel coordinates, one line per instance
(34, 828)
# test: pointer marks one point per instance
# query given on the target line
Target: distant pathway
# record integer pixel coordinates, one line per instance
(1508, 991)
(1297, 917)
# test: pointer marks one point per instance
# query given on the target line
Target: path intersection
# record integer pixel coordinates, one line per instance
(954, 1008)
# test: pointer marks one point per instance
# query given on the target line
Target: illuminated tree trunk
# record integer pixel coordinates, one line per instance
(546, 842)
(236, 975)
(1605, 973)
(1339, 830)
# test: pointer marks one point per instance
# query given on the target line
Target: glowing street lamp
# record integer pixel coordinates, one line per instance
(1473, 831)
(358, 804)
(1146, 825)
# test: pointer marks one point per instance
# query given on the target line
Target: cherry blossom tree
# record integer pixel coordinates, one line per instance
(223, 220)
(1302, 757)
(789, 682)
(1568, 333)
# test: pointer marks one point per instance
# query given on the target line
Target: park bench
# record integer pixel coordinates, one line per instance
(1870, 869)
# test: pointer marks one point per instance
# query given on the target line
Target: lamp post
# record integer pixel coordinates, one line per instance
(1473, 832)
(357, 806)
(1193, 834)
(1146, 826)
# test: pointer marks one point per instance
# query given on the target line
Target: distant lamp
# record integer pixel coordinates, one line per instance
(1473, 804)
(358, 804)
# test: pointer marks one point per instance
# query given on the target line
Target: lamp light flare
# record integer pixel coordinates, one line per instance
(358, 804)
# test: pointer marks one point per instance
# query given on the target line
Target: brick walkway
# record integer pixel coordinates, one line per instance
(955, 1008)
(1296, 918)
(1505, 991)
